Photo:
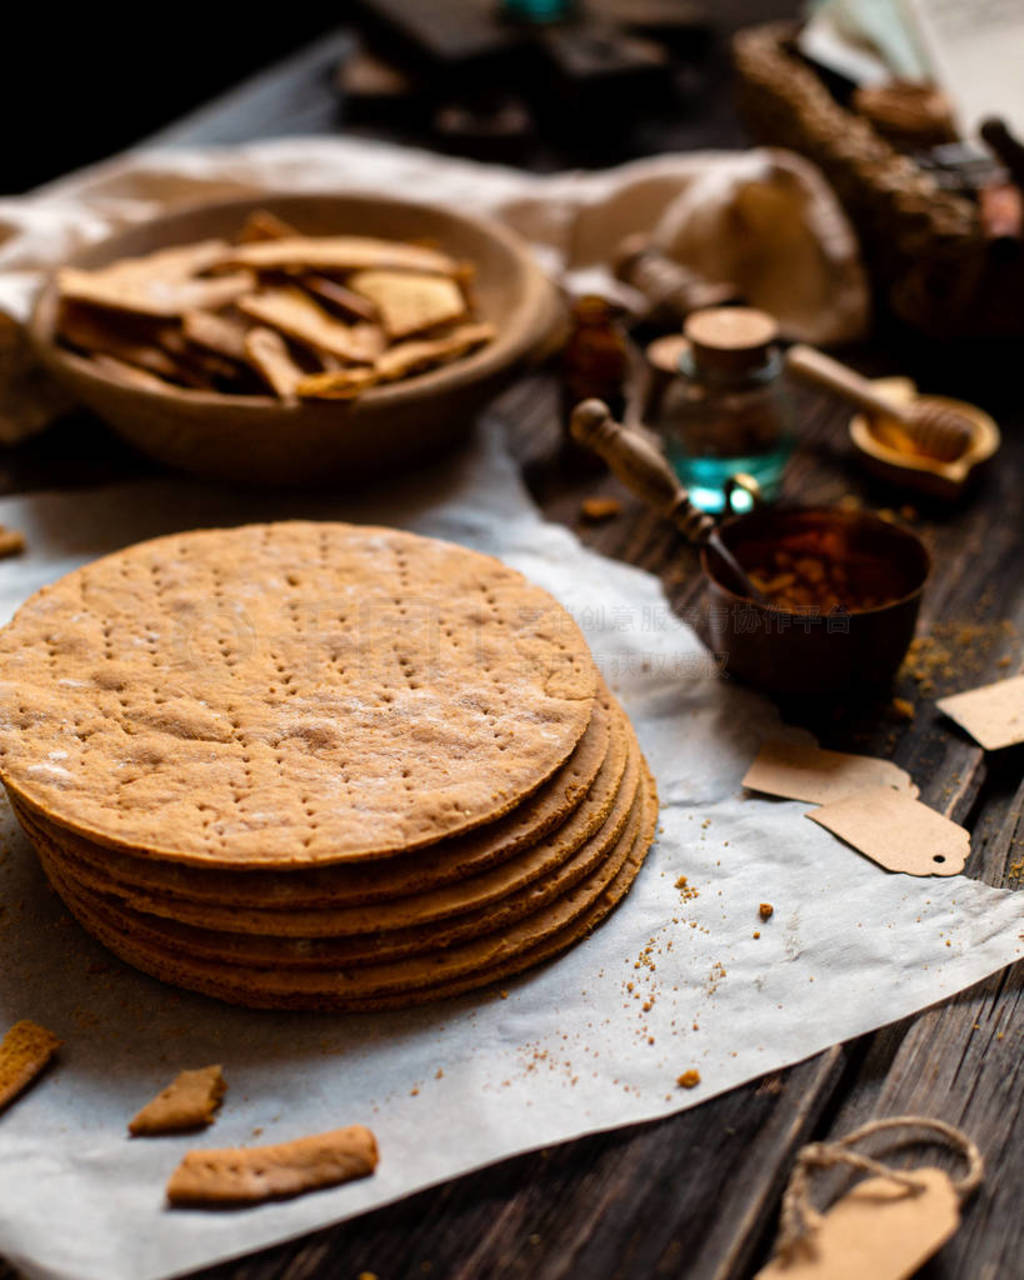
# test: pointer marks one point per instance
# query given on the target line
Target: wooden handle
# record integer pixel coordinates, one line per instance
(822, 370)
(640, 466)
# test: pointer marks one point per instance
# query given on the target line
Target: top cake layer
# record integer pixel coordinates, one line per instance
(288, 694)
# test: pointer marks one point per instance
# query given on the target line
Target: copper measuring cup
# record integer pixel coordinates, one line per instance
(778, 650)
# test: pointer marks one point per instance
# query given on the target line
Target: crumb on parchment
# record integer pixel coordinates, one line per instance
(599, 508)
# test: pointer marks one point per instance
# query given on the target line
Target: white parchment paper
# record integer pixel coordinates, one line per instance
(451, 1087)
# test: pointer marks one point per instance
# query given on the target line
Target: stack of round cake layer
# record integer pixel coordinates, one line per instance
(319, 765)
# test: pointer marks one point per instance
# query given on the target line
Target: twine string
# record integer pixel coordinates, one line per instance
(799, 1218)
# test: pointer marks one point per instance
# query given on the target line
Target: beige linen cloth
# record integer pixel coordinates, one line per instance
(764, 219)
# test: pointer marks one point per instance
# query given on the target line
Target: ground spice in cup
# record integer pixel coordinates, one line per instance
(818, 571)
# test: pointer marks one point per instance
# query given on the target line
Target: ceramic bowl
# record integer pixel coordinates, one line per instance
(256, 438)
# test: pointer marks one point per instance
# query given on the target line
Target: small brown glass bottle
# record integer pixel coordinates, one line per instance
(595, 364)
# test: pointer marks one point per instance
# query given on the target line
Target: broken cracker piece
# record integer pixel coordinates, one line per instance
(268, 353)
(151, 296)
(223, 335)
(409, 303)
(597, 509)
(164, 283)
(12, 542)
(131, 373)
(689, 1079)
(179, 262)
(196, 367)
(352, 305)
(99, 333)
(417, 354)
(247, 1175)
(296, 315)
(341, 253)
(189, 1102)
(337, 384)
(262, 225)
(24, 1052)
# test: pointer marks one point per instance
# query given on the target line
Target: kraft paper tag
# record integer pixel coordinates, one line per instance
(878, 1231)
(993, 715)
(800, 772)
(898, 832)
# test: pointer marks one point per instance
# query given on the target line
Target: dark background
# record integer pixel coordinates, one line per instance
(80, 84)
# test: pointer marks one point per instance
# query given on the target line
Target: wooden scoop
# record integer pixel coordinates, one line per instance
(931, 430)
(642, 468)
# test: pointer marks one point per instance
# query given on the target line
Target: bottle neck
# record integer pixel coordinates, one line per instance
(756, 375)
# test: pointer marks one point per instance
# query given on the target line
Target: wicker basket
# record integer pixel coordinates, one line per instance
(924, 247)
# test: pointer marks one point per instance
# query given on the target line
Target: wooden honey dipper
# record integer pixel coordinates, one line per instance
(643, 469)
(930, 429)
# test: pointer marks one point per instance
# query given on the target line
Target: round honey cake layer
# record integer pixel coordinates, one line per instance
(273, 951)
(468, 895)
(553, 944)
(288, 694)
(415, 980)
(560, 807)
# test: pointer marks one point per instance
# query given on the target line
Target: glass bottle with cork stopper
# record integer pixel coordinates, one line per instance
(727, 411)
(595, 363)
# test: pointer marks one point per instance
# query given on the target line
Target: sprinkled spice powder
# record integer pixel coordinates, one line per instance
(953, 650)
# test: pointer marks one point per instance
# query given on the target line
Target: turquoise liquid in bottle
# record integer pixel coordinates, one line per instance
(537, 10)
(727, 411)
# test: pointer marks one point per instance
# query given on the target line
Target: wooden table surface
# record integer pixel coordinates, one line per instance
(697, 1195)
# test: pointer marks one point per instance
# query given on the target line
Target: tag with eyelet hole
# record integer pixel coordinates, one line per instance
(802, 771)
(897, 832)
(879, 1230)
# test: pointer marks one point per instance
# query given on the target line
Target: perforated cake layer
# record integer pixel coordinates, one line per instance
(332, 919)
(291, 889)
(288, 694)
(460, 967)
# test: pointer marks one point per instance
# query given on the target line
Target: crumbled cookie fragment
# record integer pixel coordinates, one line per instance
(189, 1102)
(766, 911)
(597, 509)
(689, 1079)
(687, 891)
(247, 1175)
(12, 543)
(24, 1052)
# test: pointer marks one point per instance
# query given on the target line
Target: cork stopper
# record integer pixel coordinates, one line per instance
(665, 353)
(731, 341)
